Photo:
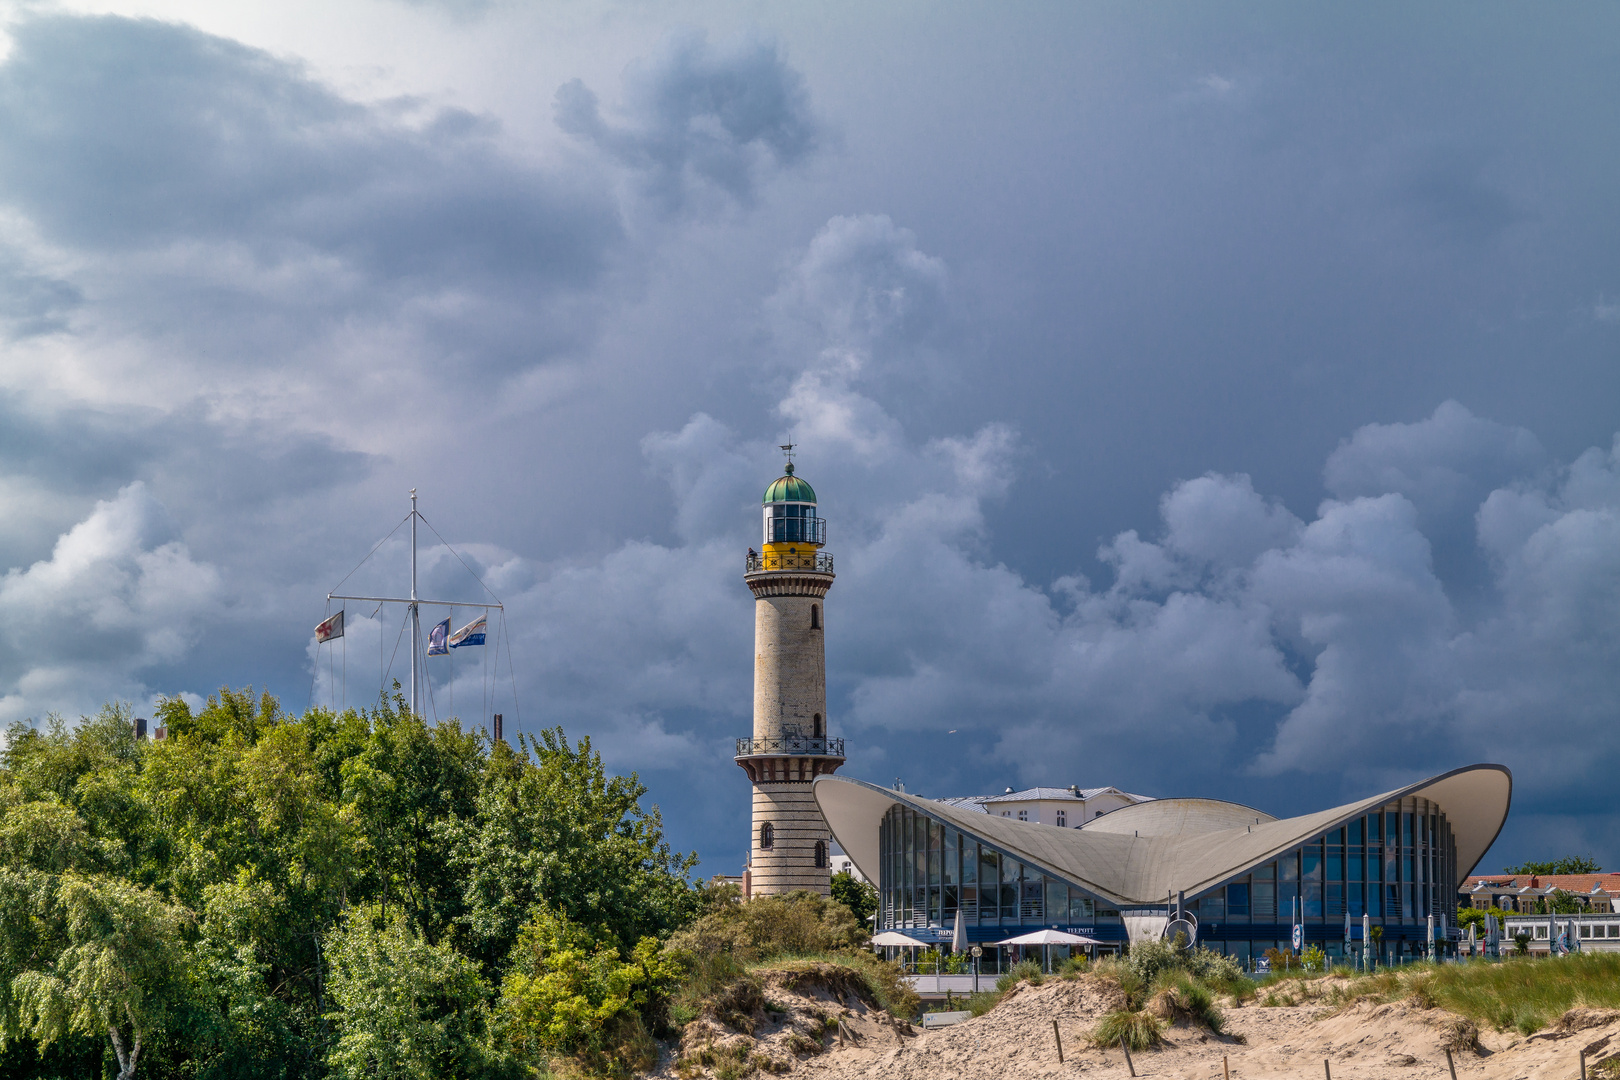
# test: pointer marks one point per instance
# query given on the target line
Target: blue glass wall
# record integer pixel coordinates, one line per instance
(930, 871)
(1398, 865)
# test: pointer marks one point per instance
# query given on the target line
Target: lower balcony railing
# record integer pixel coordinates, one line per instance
(817, 562)
(792, 744)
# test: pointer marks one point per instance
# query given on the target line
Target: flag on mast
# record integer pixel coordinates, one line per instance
(471, 634)
(329, 629)
(436, 636)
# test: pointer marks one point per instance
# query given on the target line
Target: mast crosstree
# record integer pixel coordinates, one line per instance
(415, 602)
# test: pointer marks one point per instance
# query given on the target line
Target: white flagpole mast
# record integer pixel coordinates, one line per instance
(415, 603)
(416, 618)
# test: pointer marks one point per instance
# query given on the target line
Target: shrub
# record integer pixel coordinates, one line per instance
(1023, 970)
(798, 924)
(1137, 1030)
(570, 995)
(1183, 997)
(981, 1003)
(1073, 966)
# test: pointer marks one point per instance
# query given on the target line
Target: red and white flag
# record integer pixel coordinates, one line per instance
(331, 628)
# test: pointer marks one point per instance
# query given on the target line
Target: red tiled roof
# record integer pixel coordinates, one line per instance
(1573, 883)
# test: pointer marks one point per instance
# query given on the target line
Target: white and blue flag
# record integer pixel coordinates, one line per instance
(471, 634)
(436, 636)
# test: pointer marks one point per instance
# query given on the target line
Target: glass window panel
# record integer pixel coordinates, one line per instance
(1313, 862)
(1333, 899)
(1375, 827)
(1057, 898)
(1406, 829)
(989, 874)
(1030, 908)
(1081, 908)
(1237, 900)
(1333, 865)
(1354, 828)
(1408, 908)
(1264, 901)
(1288, 866)
(970, 903)
(1268, 872)
(1212, 908)
(1353, 899)
(1355, 865)
(1375, 901)
(952, 857)
(970, 861)
(1406, 868)
(1392, 901)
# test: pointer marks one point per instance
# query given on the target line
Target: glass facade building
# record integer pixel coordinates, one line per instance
(1397, 863)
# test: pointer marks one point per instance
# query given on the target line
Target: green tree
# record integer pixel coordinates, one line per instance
(405, 1008)
(99, 957)
(859, 896)
(1565, 903)
(238, 851)
(1570, 864)
(558, 834)
(571, 994)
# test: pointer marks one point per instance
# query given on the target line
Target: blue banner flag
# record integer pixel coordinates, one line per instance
(436, 636)
(471, 634)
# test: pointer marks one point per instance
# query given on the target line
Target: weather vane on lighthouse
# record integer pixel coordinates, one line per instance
(787, 451)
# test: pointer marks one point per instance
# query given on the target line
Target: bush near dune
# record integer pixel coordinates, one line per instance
(1523, 995)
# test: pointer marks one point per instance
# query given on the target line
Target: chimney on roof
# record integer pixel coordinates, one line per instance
(1074, 789)
(500, 735)
(140, 727)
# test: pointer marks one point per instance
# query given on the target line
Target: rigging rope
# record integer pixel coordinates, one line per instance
(372, 552)
(457, 554)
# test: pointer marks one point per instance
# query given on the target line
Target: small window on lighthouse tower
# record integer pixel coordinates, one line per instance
(767, 837)
(815, 616)
(821, 855)
(817, 721)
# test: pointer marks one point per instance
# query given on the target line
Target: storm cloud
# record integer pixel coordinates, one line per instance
(1222, 405)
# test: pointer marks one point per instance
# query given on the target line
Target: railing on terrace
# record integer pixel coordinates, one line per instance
(792, 744)
(818, 562)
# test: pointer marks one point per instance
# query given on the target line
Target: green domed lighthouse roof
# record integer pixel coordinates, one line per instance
(789, 489)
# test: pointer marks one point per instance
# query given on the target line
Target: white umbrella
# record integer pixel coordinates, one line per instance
(1050, 937)
(891, 939)
(1043, 938)
(959, 934)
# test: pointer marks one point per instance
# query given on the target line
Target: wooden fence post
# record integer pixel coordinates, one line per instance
(1129, 1064)
(1058, 1035)
(1450, 1064)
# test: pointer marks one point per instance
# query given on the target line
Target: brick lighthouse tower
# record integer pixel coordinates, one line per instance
(789, 578)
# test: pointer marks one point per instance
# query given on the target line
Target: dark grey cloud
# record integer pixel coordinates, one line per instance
(231, 189)
(31, 302)
(698, 118)
(1236, 386)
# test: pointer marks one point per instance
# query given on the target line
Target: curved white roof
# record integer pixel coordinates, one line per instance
(1178, 817)
(1180, 845)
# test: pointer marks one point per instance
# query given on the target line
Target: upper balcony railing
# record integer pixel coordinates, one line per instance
(795, 530)
(817, 562)
(791, 744)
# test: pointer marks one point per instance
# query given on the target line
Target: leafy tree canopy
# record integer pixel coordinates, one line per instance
(332, 894)
(1570, 864)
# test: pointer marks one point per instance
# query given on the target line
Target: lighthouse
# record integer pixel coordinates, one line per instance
(789, 577)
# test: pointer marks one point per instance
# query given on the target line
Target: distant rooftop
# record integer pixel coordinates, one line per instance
(979, 803)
